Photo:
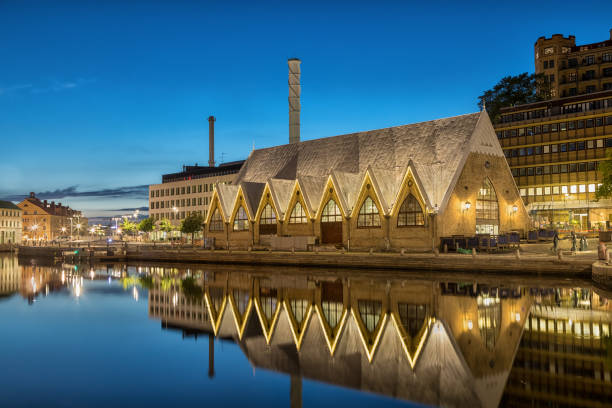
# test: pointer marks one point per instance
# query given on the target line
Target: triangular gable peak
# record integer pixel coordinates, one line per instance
(241, 201)
(386, 183)
(297, 329)
(482, 140)
(331, 192)
(348, 188)
(252, 193)
(412, 346)
(312, 189)
(297, 194)
(266, 198)
(227, 194)
(332, 335)
(267, 325)
(369, 340)
(215, 315)
(240, 319)
(281, 191)
(411, 183)
(215, 203)
(368, 188)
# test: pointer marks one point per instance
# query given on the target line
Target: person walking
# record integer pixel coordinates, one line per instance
(574, 241)
(555, 241)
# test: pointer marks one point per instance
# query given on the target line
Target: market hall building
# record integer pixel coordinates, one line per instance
(402, 187)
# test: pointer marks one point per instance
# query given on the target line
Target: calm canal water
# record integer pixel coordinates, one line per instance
(158, 336)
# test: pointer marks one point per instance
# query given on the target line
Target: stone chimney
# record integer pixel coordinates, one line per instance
(211, 141)
(294, 100)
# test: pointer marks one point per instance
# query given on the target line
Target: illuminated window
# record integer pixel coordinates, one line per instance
(241, 222)
(267, 222)
(563, 189)
(487, 210)
(410, 213)
(523, 192)
(531, 191)
(370, 311)
(298, 215)
(582, 188)
(412, 317)
(591, 188)
(299, 308)
(539, 191)
(573, 189)
(546, 190)
(216, 222)
(331, 212)
(369, 217)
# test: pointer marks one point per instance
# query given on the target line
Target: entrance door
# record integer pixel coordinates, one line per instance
(331, 224)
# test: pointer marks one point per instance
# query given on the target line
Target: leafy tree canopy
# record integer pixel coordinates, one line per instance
(146, 225)
(128, 226)
(514, 90)
(192, 224)
(165, 225)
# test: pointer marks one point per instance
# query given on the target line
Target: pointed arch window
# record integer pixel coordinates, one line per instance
(298, 215)
(331, 212)
(216, 222)
(369, 217)
(412, 317)
(267, 221)
(487, 210)
(299, 308)
(241, 221)
(370, 312)
(410, 213)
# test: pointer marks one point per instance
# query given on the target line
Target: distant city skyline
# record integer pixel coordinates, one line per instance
(97, 101)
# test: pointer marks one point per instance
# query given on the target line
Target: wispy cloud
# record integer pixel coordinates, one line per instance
(53, 86)
(15, 88)
(139, 192)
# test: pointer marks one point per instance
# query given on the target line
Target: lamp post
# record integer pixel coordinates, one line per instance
(34, 228)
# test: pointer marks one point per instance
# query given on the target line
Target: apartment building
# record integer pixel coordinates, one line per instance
(46, 221)
(574, 69)
(10, 223)
(554, 149)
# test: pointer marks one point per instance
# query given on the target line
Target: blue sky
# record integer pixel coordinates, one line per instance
(104, 97)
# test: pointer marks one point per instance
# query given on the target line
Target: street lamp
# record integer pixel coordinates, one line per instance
(34, 228)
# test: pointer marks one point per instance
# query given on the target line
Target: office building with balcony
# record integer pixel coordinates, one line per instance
(554, 149)
(574, 69)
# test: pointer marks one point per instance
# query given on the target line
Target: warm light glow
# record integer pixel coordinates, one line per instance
(118, 230)
(175, 299)
(34, 227)
(78, 226)
(518, 317)
(470, 325)
(63, 277)
(514, 208)
(63, 229)
(77, 290)
(467, 205)
(91, 274)
(135, 294)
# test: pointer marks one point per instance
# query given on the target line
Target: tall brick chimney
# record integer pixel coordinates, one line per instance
(294, 100)
(211, 141)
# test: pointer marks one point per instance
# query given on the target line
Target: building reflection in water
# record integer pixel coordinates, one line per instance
(424, 340)
(474, 342)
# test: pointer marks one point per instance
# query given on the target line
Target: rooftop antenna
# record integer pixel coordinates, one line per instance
(222, 157)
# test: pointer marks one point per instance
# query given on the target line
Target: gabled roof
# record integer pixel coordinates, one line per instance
(437, 150)
(8, 205)
(227, 196)
(280, 191)
(252, 195)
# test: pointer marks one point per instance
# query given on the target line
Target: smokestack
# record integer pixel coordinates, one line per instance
(294, 100)
(211, 141)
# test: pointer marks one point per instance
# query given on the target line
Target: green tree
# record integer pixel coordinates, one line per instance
(514, 90)
(128, 226)
(192, 224)
(147, 225)
(605, 167)
(165, 225)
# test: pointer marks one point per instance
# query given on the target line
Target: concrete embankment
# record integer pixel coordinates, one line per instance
(508, 263)
(577, 266)
(602, 274)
